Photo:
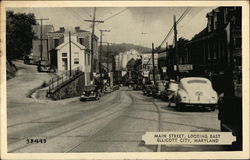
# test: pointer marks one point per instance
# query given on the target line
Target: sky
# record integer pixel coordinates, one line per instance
(137, 25)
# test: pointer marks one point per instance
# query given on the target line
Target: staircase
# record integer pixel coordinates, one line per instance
(66, 85)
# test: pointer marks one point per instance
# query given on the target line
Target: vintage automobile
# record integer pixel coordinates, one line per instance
(137, 87)
(195, 91)
(28, 59)
(144, 88)
(158, 88)
(90, 92)
(108, 89)
(170, 91)
(149, 90)
(44, 66)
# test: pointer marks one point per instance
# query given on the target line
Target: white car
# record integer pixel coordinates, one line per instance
(195, 91)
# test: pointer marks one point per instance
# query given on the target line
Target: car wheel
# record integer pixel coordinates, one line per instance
(97, 97)
(212, 108)
(179, 107)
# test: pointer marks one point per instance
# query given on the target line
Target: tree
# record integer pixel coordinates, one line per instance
(19, 34)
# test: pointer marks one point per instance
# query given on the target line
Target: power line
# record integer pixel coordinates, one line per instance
(116, 14)
(178, 21)
(112, 16)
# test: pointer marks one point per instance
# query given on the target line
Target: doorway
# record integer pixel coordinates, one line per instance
(65, 63)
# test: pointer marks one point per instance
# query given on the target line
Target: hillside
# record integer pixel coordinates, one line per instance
(114, 49)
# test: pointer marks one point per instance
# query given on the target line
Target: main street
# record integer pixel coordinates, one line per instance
(115, 123)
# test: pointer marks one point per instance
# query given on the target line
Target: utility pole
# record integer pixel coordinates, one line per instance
(41, 37)
(69, 54)
(108, 57)
(92, 38)
(100, 55)
(153, 62)
(176, 49)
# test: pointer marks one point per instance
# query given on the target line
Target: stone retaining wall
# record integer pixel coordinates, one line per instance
(71, 88)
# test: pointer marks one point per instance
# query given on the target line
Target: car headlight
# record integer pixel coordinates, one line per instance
(83, 92)
(92, 92)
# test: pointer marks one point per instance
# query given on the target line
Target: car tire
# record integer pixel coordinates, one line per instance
(212, 108)
(97, 97)
(179, 107)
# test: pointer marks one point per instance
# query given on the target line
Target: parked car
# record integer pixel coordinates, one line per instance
(44, 66)
(90, 92)
(116, 87)
(108, 89)
(137, 87)
(28, 59)
(158, 88)
(170, 91)
(144, 89)
(149, 90)
(195, 91)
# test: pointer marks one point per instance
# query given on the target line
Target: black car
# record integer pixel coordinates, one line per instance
(44, 66)
(91, 92)
(159, 87)
(137, 87)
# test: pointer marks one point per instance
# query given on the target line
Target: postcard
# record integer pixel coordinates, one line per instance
(124, 80)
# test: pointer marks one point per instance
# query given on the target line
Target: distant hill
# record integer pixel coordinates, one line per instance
(114, 49)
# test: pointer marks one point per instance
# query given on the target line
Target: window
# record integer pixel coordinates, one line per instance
(76, 54)
(197, 81)
(64, 54)
(215, 21)
(76, 60)
(56, 41)
(237, 43)
(88, 59)
(81, 41)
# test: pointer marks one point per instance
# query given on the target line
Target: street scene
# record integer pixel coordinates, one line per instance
(101, 80)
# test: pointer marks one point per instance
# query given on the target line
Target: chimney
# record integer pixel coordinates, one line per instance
(62, 29)
(77, 28)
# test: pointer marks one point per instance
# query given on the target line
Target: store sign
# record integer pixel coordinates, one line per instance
(185, 67)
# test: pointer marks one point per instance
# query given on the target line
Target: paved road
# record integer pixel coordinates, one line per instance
(115, 123)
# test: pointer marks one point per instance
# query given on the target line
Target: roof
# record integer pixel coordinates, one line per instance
(72, 42)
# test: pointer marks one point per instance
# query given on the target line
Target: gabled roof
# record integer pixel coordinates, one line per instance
(72, 42)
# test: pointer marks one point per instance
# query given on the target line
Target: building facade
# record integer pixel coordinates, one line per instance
(82, 37)
(218, 46)
(76, 59)
(39, 45)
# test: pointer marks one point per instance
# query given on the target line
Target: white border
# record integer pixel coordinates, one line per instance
(129, 155)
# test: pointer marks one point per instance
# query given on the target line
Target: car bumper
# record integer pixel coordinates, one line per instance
(198, 103)
(86, 97)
